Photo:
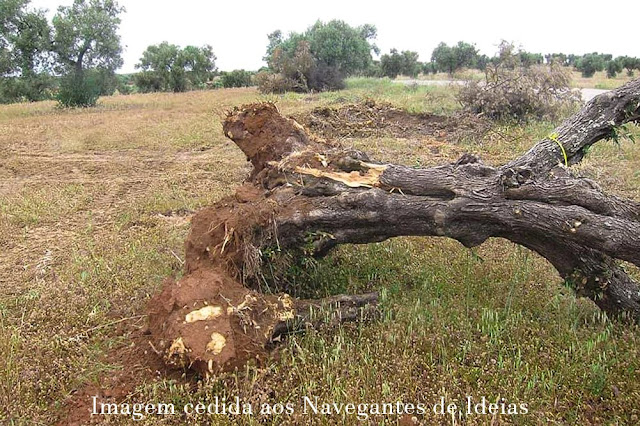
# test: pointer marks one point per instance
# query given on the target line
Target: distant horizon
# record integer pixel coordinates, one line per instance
(239, 36)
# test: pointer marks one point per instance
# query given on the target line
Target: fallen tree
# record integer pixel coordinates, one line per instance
(306, 196)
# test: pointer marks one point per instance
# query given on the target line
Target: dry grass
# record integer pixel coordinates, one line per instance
(600, 80)
(87, 235)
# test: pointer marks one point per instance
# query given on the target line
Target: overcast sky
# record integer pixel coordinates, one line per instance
(238, 30)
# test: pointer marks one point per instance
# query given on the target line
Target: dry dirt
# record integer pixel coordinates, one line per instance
(381, 119)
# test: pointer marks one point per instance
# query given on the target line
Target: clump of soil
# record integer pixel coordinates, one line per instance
(264, 135)
(209, 322)
(382, 119)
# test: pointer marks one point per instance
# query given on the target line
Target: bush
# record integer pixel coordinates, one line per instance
(512, 91)
(269, 82)
(125, 85)
(236, 78)
(324, 78)
(148, 81)
(78, 91)
(374, 70)
(36, 87)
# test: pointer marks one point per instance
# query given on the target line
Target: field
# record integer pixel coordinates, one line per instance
(598, 81)
(94, 209)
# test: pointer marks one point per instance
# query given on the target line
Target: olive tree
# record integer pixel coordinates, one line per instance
(86, 36)
(24, 52)
(167, 67)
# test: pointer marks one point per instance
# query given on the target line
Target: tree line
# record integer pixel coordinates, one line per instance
(73, 58)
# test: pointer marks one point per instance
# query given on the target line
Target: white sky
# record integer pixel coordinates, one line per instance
(237, 29)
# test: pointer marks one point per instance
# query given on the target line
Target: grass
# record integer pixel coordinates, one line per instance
(598, 81)
(88, 237)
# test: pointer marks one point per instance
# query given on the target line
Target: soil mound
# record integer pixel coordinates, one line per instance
(382, 119)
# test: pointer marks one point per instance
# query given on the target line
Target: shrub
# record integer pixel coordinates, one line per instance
(33, 88)
(236, 78)
(148, 81)
(324, 77)
(269, 82)
(78, 91)
(512, 91)
(374, 70)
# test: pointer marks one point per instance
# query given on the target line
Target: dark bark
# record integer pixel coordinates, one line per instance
(341, 197)
(336, 309)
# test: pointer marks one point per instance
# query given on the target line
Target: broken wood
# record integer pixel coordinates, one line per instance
(306, 195)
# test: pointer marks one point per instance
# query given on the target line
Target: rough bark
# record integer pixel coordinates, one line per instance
(307, 195)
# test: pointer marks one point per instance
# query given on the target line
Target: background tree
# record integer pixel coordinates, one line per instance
(528, 59)
(450, 59)
(340, 46)
(410, 64)
(24, 52)
(275, 40)
(405, 63)
(391, 64)
(237, 78)
(559, 58)
(167, 67)
(317, 59)
(630, 64)
(86, 37)
(613, 67)
(589, 64)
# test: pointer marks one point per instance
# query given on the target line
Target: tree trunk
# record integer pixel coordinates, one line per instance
(306, 196)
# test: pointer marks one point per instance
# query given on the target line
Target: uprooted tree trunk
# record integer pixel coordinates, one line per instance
(307, 195)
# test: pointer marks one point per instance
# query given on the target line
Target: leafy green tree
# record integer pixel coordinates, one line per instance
(482, 62)
(450, 59)
(528, 59)
(24, 52)
(629, 63)
(557, 58)
(319, 58)
(410, 64)
(167, 67)
(85, 37)
(395, 63)
(391, 64)
(429, 67)
(613, 67)
(444, 58)
(589, 64)
(572, 59)
(275, 40)
(340, 46)
(236, 78)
